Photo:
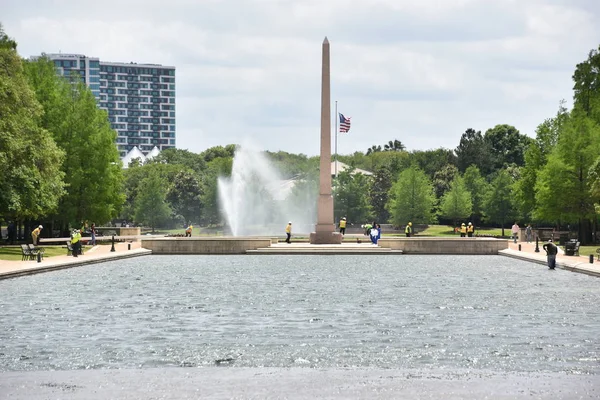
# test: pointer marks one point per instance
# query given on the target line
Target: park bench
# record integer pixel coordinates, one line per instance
(572, 248)
(35, 250)
(26, 253)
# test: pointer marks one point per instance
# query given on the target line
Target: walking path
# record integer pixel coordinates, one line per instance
(579, 264)
(98, 254)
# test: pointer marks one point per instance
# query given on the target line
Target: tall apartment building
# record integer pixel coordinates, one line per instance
(139, 98)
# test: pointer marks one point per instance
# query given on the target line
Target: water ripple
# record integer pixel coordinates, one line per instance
(288, 311)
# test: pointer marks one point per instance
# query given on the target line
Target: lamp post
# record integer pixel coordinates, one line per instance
(537, 244)
(113, 243)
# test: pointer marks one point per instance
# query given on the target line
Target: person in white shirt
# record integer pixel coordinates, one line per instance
(515, 231)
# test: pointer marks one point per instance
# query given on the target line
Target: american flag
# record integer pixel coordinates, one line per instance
(344, 123)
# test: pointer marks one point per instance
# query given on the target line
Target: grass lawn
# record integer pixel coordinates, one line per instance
(432, 230)
(14, 253)
(586, 250)
(447, 230)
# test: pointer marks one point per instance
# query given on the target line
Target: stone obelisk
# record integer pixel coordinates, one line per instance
(325, 228)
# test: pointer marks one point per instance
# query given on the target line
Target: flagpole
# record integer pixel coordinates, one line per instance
(337, 117)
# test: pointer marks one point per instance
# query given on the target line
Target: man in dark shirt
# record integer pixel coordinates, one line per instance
(551, 251)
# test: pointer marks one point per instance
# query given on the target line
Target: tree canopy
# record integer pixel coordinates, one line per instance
(31, 182)
(412, 198)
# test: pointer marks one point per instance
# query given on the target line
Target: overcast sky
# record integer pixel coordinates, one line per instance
(420, 71)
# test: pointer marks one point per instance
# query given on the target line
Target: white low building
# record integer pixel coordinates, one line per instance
(137, 153)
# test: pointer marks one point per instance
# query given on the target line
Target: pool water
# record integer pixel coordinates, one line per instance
(449, 312)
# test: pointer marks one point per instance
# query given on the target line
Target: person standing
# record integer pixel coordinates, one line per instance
(528, 233)
(288, 232)
(463, 230)
(343, 226)
(470, 230)
(76, 242)
(93, 232)
(188, 231)
(35, 234)
(408, 229)
(515, 231)
(551, 251)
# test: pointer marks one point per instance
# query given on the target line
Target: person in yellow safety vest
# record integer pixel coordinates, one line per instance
(463, 230)
(188, 231)
(470, 230)
(408, 229)
(35, 235)
(343, 226)
(76, 242)
(288, 232)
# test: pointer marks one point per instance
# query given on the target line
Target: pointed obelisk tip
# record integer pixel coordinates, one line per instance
(325, 41)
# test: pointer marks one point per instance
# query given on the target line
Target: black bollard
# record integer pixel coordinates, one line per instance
(537, 245)
(39, 257)
(113, 243)
(591, 258)
(128, 246)
(519, 247)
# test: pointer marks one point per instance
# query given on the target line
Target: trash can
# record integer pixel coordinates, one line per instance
(562, 239)
(570, 247)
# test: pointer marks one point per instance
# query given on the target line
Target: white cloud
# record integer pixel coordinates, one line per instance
(418, 71)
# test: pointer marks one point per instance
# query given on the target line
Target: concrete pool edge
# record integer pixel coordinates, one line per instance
(351, 245)
(294, 383)
(25, 268)
(15, 269)
(576, 265)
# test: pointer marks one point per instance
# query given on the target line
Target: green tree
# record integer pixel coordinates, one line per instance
(92, 166)
(151, 206)
(443, 178)
(379, 194)
(456, 203)
(472, 150)
(586, 89)
(373, 149)
(393, 161)
(184, 195)
(136, 173)
(536, 157)
(186, 158)
(507, 146)
(351, 196)
(31, 182)
(394, 145)
(498, 203)
(218, 152)
(477, 187)
(412, 198)
(6, 42)
(563, 188)
(431, 161)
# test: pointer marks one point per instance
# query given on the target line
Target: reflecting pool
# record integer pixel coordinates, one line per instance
(388, 312)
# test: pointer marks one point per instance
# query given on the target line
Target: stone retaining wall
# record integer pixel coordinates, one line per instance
(221, 245)
(426, 245)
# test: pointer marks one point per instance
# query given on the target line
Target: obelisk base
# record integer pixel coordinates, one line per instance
(325, 235)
